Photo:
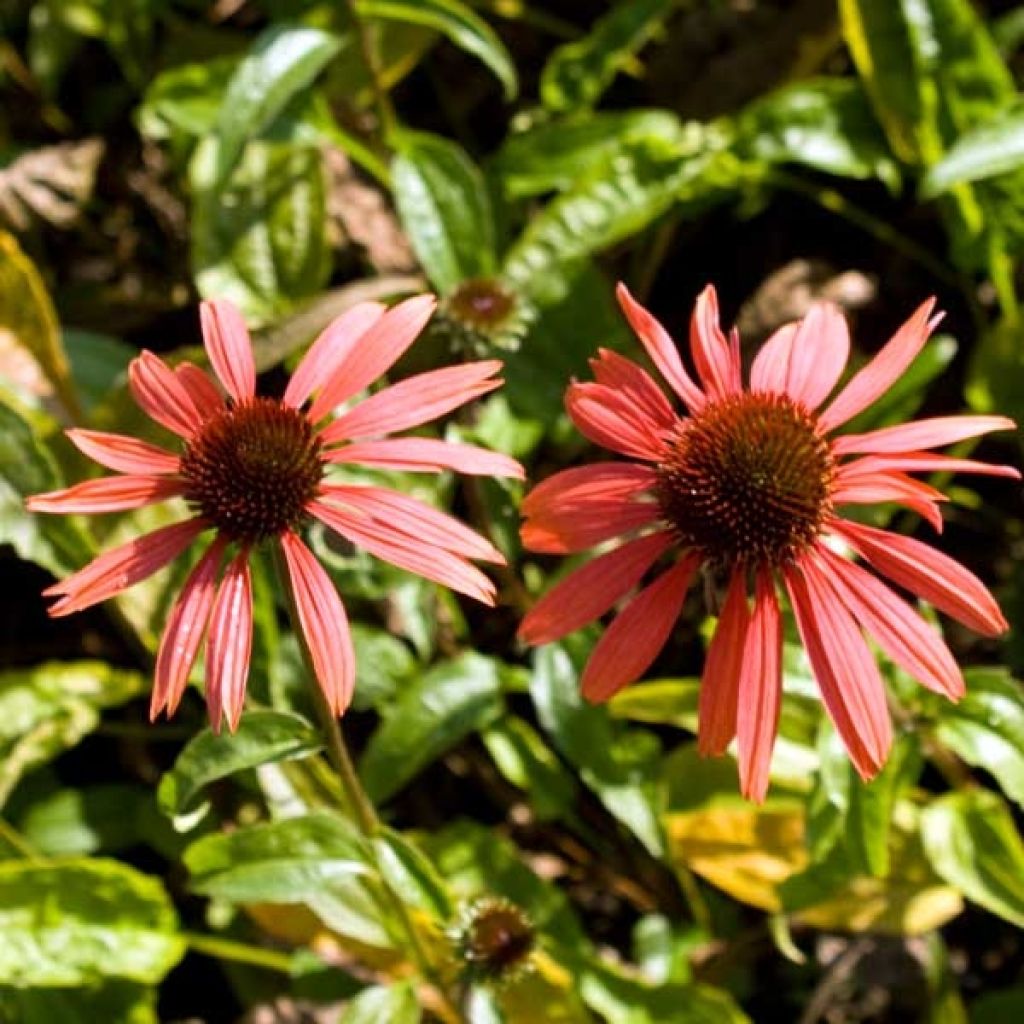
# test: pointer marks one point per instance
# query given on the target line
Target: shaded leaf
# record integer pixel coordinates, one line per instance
(577, 73)
(76, 922)
(114, 1002)
(444, 706)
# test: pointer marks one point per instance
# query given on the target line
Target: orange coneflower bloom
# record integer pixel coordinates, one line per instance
(252, 469)
(750, 485)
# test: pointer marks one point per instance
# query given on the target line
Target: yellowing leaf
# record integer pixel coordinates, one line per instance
(27, 312)
(746, 851)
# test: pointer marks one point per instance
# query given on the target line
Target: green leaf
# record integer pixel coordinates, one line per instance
(263, 737)
(47, 709)
(395, 1004)
(77, 922)
(58, 543)
(88, 819)
(618, 996)
(184, 102)
(412, 876)
(259, 238)
(982, 152)
(855, 815)
(99, 363)
(986, 727)
(458, 23)
(444, 706)
(998, 1007)
(928, 66)
(445, 209)
(618, 765)
(621, 196)
(577, 73)
(823, 123)
(27, 313)
(283, 61)
(973, 844)
(526, 761)
(288, 861)
(114, 1002)
(384, 664)
(554, 155)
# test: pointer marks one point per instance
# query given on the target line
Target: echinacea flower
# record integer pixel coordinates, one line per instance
(749, 485)
(252, 469)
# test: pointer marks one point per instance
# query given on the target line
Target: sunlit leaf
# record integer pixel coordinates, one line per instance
(972, 842)
(983, 152)
(283, 61)
(76, 922)
(263, 736)
(27, 313)
(445, 209)
(459, 23)
(395, 1004)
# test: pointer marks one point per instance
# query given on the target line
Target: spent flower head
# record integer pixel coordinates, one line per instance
(255, 469)
(751, 484)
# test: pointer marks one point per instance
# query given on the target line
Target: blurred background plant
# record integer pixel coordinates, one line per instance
(557, 862)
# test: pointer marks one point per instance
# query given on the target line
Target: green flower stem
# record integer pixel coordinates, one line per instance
(359, 804)
(238, 952)
(16, 841)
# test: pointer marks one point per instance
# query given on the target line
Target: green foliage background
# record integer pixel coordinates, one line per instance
(297, 157)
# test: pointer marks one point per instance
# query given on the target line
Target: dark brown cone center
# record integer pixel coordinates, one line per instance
(252, 469)
(747, 480)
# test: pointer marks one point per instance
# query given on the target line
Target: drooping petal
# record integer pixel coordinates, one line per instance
(933, 576)
(378, 350)
(888, 365)
(924, 462)
(419, 521)
(904, 636)
(203, 392)
(805, 360)
(433, 563)
(662, 350)
(719, 684)
(162, 396)
(323, 621)
(330, 347)
(108, 494)
(910, 437)
(869, 489)
(426, 455)
(714, 356)
(847, 675)
(600, 483)
(588, 592)
(113, 571)
(623, 375)
(414, 401)
(229, 645)
(184, 631)
(228, 345)
(609, 419)
(638, 633)
(760, 689)
(122, 453)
